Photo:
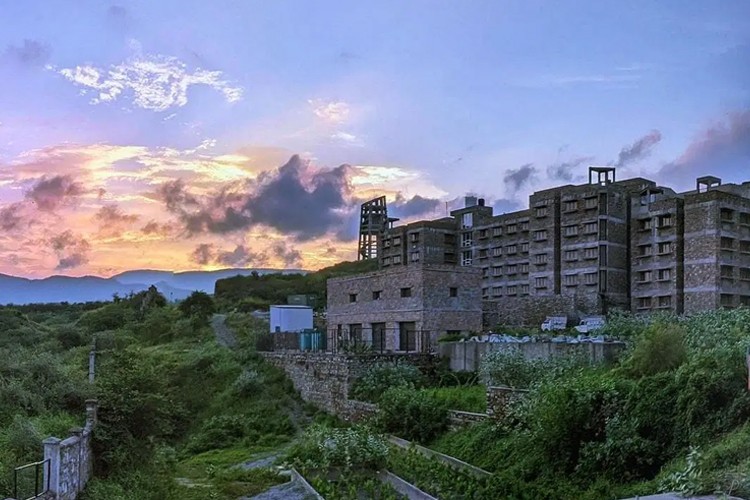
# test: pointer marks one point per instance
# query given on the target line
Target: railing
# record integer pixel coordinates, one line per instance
(352, 341)
(41, 484)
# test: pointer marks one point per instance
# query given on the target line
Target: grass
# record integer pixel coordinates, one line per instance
(472, 398)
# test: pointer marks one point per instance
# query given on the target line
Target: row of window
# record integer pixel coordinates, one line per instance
(510, 290)
(728, 215)
(662, 248)
(510, 269)
(404, 292)
(727, 243)
(510, 228)
(662, 301)
(509, 250)
(647, 276)
(662, 221)
(727, 272)
(727, 300)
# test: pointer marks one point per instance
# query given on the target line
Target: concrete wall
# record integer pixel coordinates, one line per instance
(467, 356)
(71, 459)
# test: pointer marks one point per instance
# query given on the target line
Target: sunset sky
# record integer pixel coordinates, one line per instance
(184, 135)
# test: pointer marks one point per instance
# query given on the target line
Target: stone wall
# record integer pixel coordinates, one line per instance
(499, 398)
(467, 356)
(71, 459)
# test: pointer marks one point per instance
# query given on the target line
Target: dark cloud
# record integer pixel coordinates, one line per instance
(289, 256)
(723, 150)
(111, 217)
(30, 53)
(51, 192)
(153, 227)
(515, 178)
(295, 200)
(11, 217)
(563, 171)
(331, 251)
(639, 149)
(241, 256)
(417, 205)
(71, 250)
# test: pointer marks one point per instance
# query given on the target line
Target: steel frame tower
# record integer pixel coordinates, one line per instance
(373, 220)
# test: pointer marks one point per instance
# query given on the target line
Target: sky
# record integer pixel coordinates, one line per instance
(184, 135)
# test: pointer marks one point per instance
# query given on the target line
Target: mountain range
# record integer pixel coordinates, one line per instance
(174, 286)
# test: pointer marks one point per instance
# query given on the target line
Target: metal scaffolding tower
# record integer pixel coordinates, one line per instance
(373, 220)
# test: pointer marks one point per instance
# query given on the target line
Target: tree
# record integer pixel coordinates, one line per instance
(198, 305)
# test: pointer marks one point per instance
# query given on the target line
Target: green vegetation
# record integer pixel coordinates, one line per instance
(464, 398)
(383, 376)
(247, 293)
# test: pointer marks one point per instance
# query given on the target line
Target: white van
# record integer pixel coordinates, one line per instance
(555, 323)
(591, 323)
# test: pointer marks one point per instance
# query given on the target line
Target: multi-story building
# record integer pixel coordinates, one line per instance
(584, 249)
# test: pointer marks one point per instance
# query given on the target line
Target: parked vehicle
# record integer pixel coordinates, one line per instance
(555, 323)
(590, 324)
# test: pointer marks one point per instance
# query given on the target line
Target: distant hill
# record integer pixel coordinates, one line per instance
(174, 286)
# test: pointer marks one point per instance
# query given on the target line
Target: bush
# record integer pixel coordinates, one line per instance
(355, 447)
(383, 376)
(248, 383)
(659, 348)
(411, 415)
(198, 305)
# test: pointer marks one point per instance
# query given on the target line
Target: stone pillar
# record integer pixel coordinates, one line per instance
(78, 433)
(52, 471)
(92, 365)
(91, 407)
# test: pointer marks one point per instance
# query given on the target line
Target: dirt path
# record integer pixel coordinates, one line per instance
(224, 336)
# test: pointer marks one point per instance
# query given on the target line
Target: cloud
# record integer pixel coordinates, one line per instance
(112, 220)
(289, 256)
(155, 228)
(514, 179)
(504, 205)
(30, 53)
(330, 111)
(51, 192)
(416, 205)
(295, 199)
(722, 149)
(639, 150)
(72, 250)
(563, 171)
(207, 254)
(347, 138)
(156, 83)
(12, 217)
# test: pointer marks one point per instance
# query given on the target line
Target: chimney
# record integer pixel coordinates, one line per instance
(470, 201)
(481, 202)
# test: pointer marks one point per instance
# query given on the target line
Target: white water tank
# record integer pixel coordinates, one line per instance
(286, 318)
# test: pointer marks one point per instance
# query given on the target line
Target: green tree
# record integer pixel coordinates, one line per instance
(198, 305)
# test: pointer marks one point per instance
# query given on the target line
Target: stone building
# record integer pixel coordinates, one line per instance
(585, 249)
(404, 308)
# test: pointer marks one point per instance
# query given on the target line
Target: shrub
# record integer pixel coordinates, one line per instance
(383, 376)
(411, 415)
(249, 382)
(355, 447)
(659, 348)
(199, 305)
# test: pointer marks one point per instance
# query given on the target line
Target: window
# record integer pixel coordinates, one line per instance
(397, 259)
(466, 259)
(745, 246)
(497, 251)
(540, 235)
(542, 211)
(726, 243)
(449, 239)
(386, 261)
(524, 268)
(664, 220)
(603, 255)
(644, 224)
(665, 247)
(406, 292)
(645, 276)
(570, 206)
(745, 273)
(482, 233)
(726, 300)
(744, 218)
(570, 280)
(645, 250)
(497, 231)
(644, 303)
(511, 249)
(524, 289)
(497, 271)
(511, 269)
(590, 227)
(727, 272)
(745, 300)
(449, 257)
(485, 272)
(352, 297)
(524, 248)
(485, 292)
(603, 230)
(414, 237)
(396, 240)
(591, 203)
(467, 220)
(571, 255)
(590, 253)
(415, 256)
(511, 228)
(377, 294)
(497, 291)
(386, 243)
(570, 230)
(540, 258)
(664, 274)
(589, 278)
(512, 290)
(602, 281)
(540, 282)
(524, 226)
(482, 253)
(726, 215)
(453, 291)
(466, 240)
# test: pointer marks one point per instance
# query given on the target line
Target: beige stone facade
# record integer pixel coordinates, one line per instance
(405, 308)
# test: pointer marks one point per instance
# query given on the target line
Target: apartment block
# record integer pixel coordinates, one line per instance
(589, 248)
